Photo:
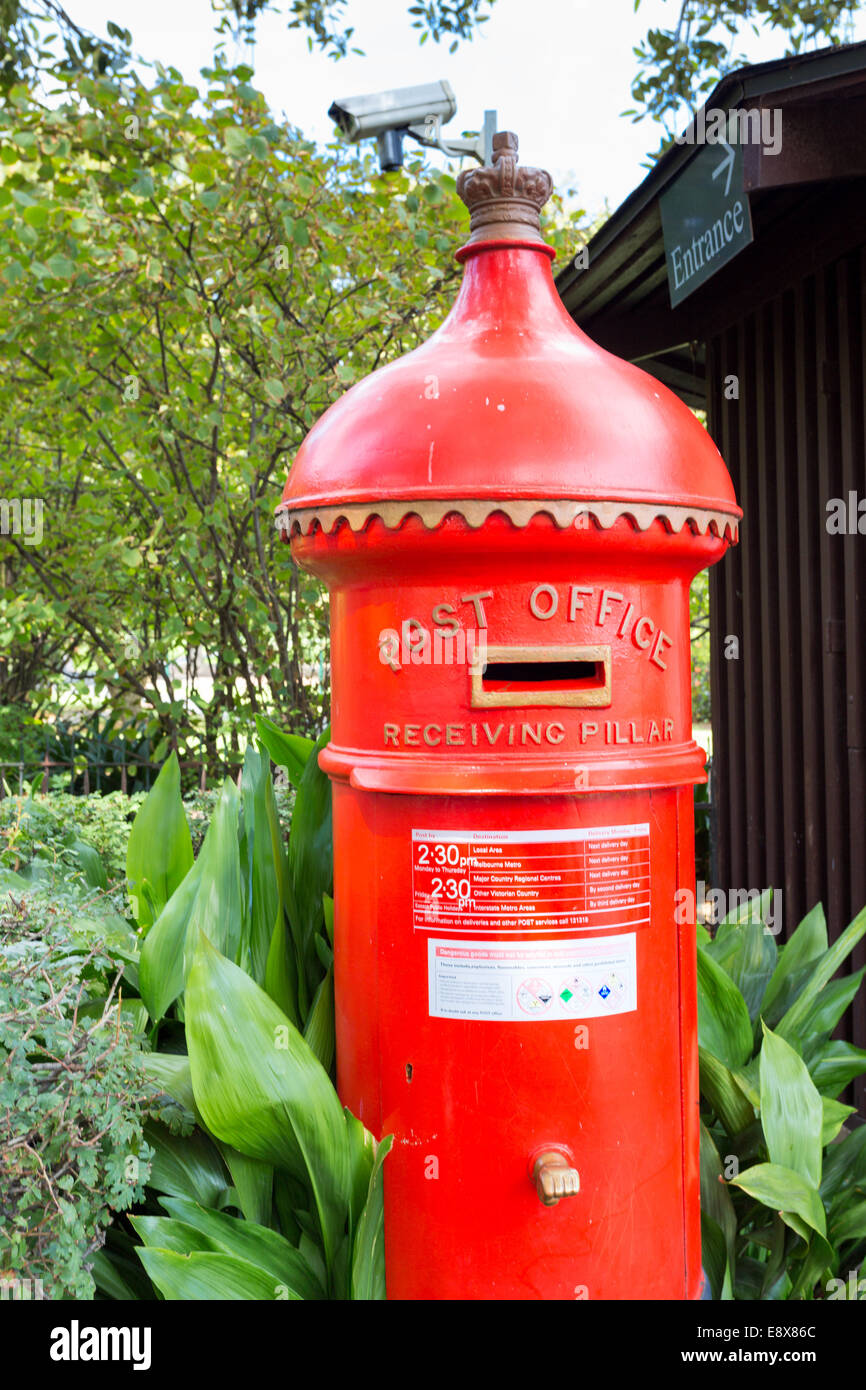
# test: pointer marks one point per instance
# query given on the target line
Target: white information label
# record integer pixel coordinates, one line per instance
(530, 981)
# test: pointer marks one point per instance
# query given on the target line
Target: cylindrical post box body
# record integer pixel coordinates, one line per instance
(508, 521)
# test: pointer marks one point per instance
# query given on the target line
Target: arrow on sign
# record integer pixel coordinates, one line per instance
(726, 164)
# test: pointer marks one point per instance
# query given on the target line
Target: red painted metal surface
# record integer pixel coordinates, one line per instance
(516, 402)
(509, 837)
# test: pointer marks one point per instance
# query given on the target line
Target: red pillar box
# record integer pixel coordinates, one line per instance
(508, 520)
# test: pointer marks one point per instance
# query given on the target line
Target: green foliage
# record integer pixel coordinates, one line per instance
(273, 1190)
(40, 832)
(782, 1182)
(159, 850)
(699, 622)
(71, 1097)
(21, 736)
(187, 287)
(322, 20)
(677, 67)
(24, 50)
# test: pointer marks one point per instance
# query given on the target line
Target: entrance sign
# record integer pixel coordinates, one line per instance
(705, 218)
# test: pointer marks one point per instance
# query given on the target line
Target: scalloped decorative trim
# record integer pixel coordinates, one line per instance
(520, 512)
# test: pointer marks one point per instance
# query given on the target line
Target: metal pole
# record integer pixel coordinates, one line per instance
(487, 134)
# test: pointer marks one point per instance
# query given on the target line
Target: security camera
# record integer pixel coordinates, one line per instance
(388, 117)
(359, 117)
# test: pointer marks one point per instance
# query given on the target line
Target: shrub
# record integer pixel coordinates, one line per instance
(38, 832)
(71, 1097)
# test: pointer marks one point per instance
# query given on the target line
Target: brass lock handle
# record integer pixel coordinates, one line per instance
(554, 1177)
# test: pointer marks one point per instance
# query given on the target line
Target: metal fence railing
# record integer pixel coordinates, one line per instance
(86, 774)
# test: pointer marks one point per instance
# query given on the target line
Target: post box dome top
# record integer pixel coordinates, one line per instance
(508, 406)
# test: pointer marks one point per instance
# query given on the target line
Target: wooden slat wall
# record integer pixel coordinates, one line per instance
(790, 714)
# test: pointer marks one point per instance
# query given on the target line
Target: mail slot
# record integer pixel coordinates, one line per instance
(508, 520)
(522, 677)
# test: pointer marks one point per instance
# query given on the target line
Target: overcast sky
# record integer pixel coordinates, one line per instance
(557, 71)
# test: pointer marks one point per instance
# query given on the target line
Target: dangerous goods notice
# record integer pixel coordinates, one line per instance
(529, 981)
(499, 882)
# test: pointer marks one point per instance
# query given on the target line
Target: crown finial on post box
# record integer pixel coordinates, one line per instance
(504, 201)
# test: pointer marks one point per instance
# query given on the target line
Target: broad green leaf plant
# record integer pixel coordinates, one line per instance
(262, 1185)
(783, 1181)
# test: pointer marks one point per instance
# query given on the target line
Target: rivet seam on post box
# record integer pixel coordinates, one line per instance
(519, 511)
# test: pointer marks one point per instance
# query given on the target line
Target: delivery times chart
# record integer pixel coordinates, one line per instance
(503, 881)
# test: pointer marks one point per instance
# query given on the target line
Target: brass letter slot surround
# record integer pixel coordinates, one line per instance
(552, 676)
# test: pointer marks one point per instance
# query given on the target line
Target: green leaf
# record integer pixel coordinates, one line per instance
(159, 850)
(235, 141)
(188, 1166)
(724, 1026)
(170, 1071)
(716, 1199)
(281, 973)
(206, 1275)
(291, 751)
(752, 960)
(61, 266)
(850, 1224)
(274, 390)
(750, 1278)
(714, 1258)
(262, 893)
(109, 1280)
(260, 1088)
(253, 1182)
(794, 1021)
(311, 862)
(818, 1259)
(166, 1234)
(773, 1273)
(161, 970)
(808, 942)
(142, 186)
(91, 865)
(37, 216)
(835, 1065)
(368, 1249)
(209, 899)
(362, 1156)
(791, 1110)
(319, 1030)
(783, 1190)
(719, 1086)
(844, 1166)
(827, 1009)
(834, 1116)
(266, 1249)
